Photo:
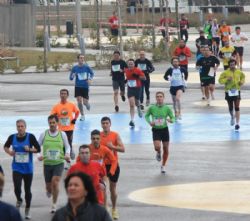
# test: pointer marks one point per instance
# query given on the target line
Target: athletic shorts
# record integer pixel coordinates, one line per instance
(52, 170)
(118, 84)
(114, 178)
(160, 134)
(82, 92)
(114, 32)
(134, 92)
(226, 67)
(173, 89)
(232, 98)
(239, 50)
(207, 82)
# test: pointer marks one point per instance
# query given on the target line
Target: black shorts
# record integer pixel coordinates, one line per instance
(173, 89)
(226, 67)
(207, 82)
(161, 134)
(232, 98)
(114, 32)
(239, 50)
(134, 92)
(82, 92)
(52, 170)
(118, 84)
(114, 178)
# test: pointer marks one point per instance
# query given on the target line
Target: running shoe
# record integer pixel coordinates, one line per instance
(163, 169)
(87, 105)
(142, 106)
(123, 98)
(72, 155)
(232, 122)
(82, 118)
(203, 98)
(67, 165)
(158, 156)
(237, 127)
(53, 208)
(147, 102)
(208, 102)
(116, 108)
(27, 213)
(115, 214)
(48, 194)
(131, 123)
(140, 114)
(19, 203)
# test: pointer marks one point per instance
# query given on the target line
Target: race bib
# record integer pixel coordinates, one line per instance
(233, 93)
(82, 76)
(182, 57)
(143, 67)
(177, 77)
(159, 121)
(132, 83)
(225, 33)
(211, 72)
(115, 22)
(65, 121)
(116, 67)
(227, 54)
(53, 154)
(21, 157)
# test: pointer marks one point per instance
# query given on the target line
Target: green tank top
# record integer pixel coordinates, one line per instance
(53, 149)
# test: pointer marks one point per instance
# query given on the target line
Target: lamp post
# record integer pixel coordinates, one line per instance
(79, 27)
(153, 23)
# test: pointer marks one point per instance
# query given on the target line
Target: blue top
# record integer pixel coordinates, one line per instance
(9, 213)
(22, 161)
(82, 75)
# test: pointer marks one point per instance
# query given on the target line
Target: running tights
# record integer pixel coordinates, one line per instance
(17, 180)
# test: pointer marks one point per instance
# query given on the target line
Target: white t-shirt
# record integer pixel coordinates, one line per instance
(237, 41)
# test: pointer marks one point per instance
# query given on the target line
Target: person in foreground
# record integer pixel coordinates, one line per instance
(82, 201)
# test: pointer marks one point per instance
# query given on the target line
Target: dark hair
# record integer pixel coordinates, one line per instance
(117, 52)
(83, 146)
(64, 89)
(237, 28)
(95, 132)
(160, 92)
(87, 182)
(232, 61)
(173, 58)
(78, 56)
(106, 119)
(131, 59)
(53, 116)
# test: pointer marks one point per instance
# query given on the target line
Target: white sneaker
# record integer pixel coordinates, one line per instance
(140, 114)
(67, 165)
(163, 169)
(82, 118)
(27, 213)
(53, 208)
(208, 102)
(232, 121)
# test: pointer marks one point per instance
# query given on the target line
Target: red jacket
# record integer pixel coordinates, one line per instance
(183, 54)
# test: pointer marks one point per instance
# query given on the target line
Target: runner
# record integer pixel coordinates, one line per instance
(83, 75)
(113, 141)
(238, 39)
(183, 53)
(208, 66)
(176, 76)
(226, 53)
(225, 32)
(117, 72)
(56, 149)
(114, 26)
(21, 147)
(92, 168)
(134, 77)
(199, 69)
(163, 22)
(215, 37)
(208, 30)
(146, 66)
(201, 41)
(184, 26)
(67, 114)
(157, 116)
(233, 79)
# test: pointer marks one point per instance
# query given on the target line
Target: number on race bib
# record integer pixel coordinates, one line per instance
(82, 76)
(233, 93)
(21, 157)
(159, 121)
(116, 67)
(53, 154)
(143, 67)
(65, 121)
(132, 83)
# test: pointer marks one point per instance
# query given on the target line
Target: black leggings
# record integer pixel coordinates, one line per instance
(233, 105)
(69, 134)
(17, 180)
(145, 86)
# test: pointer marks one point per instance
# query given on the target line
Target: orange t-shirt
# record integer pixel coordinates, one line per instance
(66, 113)
(225, 32)
(131, 80)
(102, 154)
(107, 138)
(95, 171)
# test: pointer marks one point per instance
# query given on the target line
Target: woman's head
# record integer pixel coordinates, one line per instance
(79, 186)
